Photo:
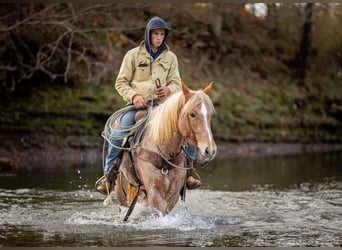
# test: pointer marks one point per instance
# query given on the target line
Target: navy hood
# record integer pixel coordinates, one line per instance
(155, 23)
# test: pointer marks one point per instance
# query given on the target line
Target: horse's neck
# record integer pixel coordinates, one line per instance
(172, 146)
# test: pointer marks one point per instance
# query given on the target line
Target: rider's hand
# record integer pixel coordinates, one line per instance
(139, 102)
(163, 92)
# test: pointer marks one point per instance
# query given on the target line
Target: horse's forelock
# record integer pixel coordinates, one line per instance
(197, 98)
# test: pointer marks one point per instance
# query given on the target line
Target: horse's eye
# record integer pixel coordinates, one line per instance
(192, 115)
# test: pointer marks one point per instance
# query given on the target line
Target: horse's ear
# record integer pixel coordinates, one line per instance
(208, 88)
(186, 91)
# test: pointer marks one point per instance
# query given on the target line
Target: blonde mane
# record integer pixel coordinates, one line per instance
(162, 123)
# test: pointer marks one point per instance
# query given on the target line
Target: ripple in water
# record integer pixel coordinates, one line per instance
(304, 215)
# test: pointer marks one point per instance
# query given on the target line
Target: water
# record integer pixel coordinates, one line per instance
(280, 201)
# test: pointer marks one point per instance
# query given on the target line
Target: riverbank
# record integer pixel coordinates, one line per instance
(61, 125)
(32, 159)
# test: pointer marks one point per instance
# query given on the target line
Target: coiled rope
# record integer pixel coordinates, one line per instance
(107, 132)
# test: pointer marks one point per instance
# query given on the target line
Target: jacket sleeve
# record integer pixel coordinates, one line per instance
(124, 78)
(173, 80)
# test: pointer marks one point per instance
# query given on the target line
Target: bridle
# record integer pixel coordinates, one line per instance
(192, 136)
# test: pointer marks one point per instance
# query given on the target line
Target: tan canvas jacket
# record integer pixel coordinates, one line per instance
(136, 76)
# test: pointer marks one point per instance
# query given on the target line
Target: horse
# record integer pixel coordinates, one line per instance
(155, 169)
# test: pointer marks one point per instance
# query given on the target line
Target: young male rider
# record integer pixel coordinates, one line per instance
(141, 66)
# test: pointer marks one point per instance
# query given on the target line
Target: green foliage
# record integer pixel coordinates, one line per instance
(66, 99)
(275, 112)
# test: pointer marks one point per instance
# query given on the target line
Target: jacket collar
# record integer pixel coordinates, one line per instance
(142, 49)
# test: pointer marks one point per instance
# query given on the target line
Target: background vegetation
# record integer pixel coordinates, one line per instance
(277, 76)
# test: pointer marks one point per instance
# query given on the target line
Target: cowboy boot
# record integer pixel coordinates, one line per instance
(191, 182)
(105, 184)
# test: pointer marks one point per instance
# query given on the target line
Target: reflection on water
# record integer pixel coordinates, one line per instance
(281, 201)
(278, 172)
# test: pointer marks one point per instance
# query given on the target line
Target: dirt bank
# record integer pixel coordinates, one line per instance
(233, 150)
(52, 157)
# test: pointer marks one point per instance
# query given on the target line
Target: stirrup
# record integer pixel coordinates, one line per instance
(113, 171)
(192, 183)
(103, 186)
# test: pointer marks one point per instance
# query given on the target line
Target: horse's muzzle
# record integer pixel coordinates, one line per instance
(206, 154)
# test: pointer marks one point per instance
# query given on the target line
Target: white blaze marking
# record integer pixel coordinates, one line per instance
(204, 111)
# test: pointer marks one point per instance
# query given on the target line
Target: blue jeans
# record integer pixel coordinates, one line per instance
(190, 150)
(126, 120)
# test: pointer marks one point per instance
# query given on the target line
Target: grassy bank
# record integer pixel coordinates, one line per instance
(270, 112)
(63, 124)
(264, 112)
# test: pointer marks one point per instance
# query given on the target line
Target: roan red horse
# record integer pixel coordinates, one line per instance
(154, 169)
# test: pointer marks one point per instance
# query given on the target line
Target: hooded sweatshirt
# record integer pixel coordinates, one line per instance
(141, 67)
(155, 23)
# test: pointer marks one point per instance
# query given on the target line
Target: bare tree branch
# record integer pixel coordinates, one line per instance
(63, 41)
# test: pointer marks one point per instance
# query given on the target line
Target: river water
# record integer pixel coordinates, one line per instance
(275, 201)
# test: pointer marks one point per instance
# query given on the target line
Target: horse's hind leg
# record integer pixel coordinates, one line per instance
(121, 190)
(131, 193)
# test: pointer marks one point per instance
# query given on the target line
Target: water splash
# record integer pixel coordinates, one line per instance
(143, 218)
(304, 215)
(180, 219)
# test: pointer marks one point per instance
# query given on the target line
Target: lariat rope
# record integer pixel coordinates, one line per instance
(107, 133)
(128, 130)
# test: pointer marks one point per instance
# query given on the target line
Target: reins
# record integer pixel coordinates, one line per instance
(192, 136)
(137, 180)
(169, 162)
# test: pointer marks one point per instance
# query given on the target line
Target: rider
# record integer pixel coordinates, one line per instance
(140, 68)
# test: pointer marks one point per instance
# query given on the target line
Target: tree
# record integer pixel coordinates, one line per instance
(306, 41)
(62, 42)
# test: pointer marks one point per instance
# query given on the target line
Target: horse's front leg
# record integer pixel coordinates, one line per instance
(157, 202)
(163, 202)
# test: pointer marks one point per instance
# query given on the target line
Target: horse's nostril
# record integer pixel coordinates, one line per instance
(207, 151)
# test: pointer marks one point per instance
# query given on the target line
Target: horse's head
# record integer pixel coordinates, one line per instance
(195, 122)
